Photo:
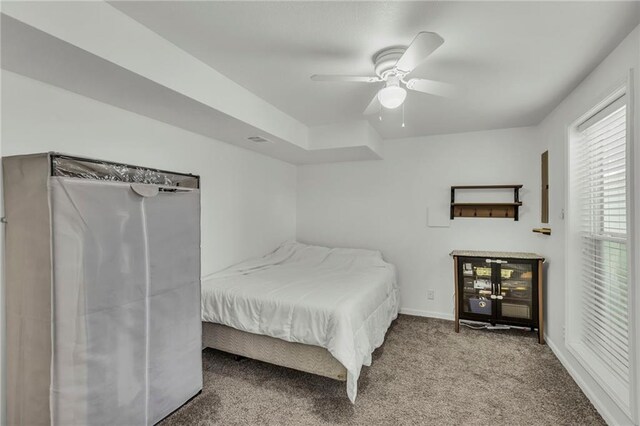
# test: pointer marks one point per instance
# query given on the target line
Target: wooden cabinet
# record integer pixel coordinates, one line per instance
(499, 288)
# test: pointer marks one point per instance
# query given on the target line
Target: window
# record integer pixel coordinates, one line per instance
(598, 258)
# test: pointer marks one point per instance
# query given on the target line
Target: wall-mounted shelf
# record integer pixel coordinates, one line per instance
(486, 209)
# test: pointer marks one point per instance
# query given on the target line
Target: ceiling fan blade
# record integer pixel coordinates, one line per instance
(432, 87)
(374, 106)
(347, 78)
(422, 46)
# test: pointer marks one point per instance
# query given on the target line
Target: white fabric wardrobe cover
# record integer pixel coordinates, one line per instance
(126, 324)
(340, 299)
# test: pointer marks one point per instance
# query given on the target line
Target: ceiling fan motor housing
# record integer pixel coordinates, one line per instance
(386, 60)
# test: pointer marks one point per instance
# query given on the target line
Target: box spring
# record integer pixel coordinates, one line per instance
(307, 358)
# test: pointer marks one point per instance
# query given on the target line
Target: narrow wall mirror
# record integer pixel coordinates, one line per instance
(544, 205)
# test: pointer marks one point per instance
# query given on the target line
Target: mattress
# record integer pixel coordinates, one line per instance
(340, 299)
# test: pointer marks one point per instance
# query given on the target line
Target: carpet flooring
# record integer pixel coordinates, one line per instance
(424, 374)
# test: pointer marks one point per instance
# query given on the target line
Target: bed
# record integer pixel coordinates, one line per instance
(316, 309)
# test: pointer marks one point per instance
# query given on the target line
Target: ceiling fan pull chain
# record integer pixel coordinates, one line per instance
(380, 112)
(403, 115)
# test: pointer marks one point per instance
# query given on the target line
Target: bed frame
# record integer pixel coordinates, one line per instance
(307, 358)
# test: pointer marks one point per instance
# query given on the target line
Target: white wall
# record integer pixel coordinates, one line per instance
(248, 200)
(383, 205)
(553, 132)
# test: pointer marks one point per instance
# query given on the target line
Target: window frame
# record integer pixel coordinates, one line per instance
(625, 396)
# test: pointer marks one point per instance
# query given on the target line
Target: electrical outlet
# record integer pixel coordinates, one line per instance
(430, 294)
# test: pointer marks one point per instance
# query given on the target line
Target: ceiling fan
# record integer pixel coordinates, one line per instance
(392, 66)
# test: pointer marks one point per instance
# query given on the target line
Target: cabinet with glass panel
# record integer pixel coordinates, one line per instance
(499, 288)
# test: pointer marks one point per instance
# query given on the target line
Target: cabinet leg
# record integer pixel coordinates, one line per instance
(456, 294)
(540, 304)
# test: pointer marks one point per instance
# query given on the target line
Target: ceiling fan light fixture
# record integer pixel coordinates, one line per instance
(392, 96)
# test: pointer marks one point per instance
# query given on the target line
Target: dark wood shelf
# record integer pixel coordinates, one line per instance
(486, 186)
(486, 209)
(487, 204)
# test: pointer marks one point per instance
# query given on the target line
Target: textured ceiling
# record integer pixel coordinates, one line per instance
(514, 60)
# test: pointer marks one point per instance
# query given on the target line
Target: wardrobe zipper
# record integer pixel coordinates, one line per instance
(147, 324)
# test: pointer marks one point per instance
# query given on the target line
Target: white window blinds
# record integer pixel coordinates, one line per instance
(600, 177)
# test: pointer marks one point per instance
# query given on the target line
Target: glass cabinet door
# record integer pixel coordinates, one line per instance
(476, 285)
(516, 291)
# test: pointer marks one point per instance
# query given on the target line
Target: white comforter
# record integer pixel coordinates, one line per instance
(340, 299)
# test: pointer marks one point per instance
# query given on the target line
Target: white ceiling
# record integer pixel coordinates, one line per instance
(36, 54)
(514, 60)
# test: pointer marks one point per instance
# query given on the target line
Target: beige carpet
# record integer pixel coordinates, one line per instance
(424, 374)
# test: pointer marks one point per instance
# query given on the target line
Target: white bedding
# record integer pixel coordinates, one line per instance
(340, 299)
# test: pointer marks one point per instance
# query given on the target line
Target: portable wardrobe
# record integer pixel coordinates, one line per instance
(102, 291)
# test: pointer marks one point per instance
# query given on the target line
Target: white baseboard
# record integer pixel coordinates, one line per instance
(428, 314)
(588, 391)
